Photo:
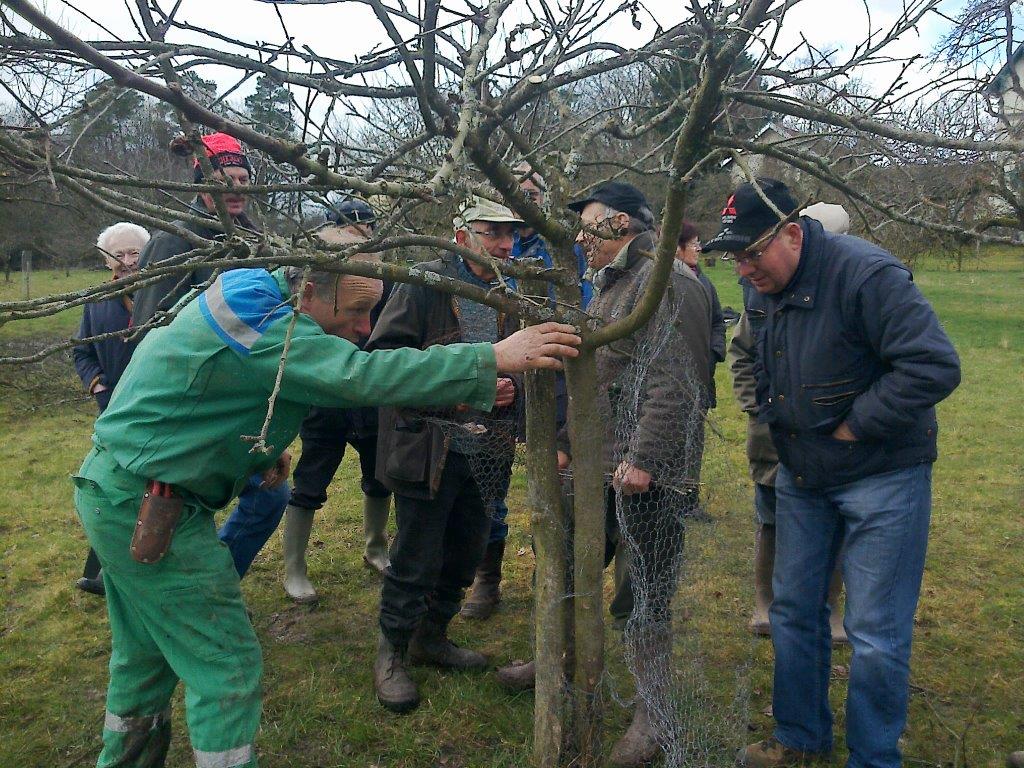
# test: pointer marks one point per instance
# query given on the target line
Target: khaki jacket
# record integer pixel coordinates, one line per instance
(667, 438)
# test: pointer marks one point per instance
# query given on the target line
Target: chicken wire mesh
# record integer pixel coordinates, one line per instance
(663, 543)
(697, 712)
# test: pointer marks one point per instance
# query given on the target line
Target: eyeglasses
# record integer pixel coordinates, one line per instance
(753, 252)
(744, 257)
(494, 234)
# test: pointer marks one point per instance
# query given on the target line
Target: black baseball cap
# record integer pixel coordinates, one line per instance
(351, 210)
(746, 216)
(620, 196)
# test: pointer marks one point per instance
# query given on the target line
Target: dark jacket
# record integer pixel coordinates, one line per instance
(761, 454)
(851, 339)
(103, 361)
(412, 445)
(164, 294)
(717, 333)
(667, 438)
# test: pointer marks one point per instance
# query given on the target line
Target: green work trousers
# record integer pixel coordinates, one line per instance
(179, 619)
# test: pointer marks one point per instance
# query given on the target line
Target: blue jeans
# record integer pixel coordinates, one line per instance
(253, 520)
(881, 522)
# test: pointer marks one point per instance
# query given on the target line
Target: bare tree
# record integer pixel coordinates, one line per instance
(445, 108)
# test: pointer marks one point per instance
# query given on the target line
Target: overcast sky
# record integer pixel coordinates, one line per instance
(347, 31)
(350, 31)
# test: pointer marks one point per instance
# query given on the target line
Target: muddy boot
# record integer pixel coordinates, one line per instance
(298, 523)
(771, 753)
(375, 525)
(430, 645)
(92, 586)
(764, 564)
(485, 593)
(835, 588)
(92, 576)
(638, 746)
(395, 689)
(518, 676)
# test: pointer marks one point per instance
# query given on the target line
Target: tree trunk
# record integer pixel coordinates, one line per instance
(552, 603)
(587, 433)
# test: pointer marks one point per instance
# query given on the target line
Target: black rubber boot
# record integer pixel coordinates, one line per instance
(92, 586)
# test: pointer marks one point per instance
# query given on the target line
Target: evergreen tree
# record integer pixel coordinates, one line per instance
(269, 107)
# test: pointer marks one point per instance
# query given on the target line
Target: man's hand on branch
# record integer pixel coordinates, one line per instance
(506, 393)
(631, 479)
(278, 473)
(536, 346)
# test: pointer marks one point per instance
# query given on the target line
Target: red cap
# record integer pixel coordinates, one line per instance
(224, 150)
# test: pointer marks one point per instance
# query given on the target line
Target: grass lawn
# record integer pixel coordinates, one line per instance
(319, 708)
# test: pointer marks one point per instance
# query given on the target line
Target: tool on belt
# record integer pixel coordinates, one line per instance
(154, 528)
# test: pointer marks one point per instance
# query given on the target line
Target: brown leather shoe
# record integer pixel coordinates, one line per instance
(430, 645)
(485, 594)
(395, 689)
(638, 745)
(772, 753)
(518, 676)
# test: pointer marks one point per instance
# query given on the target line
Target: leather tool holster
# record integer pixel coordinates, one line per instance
(158, 517)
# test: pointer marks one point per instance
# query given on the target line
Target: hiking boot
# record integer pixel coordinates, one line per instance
(298, 523)
(1015, 760)
(764, 564)
(92, 586)
(771, 753)
(395, 689)
(485, 594)
(638, 745)
(375, 532)
(518, 676)
(430, 645)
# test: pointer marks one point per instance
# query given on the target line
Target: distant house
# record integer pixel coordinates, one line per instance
(1008, 88)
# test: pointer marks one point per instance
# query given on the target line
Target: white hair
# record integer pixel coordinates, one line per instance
(120, 230)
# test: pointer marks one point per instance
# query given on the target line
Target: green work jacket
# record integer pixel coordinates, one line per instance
(196, 387)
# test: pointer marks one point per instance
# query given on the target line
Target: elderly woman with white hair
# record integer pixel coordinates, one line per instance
(100, 363)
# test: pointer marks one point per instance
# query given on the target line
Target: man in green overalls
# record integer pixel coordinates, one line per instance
(191, 391)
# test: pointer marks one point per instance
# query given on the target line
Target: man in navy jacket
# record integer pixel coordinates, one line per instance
(851, 362)
(101, 362)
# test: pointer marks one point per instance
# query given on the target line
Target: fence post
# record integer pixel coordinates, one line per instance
(26, 272)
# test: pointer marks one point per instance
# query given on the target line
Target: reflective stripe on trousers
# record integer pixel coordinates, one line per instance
(229, 758)
(119, 724)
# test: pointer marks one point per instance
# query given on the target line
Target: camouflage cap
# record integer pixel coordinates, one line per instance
(478, 208)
